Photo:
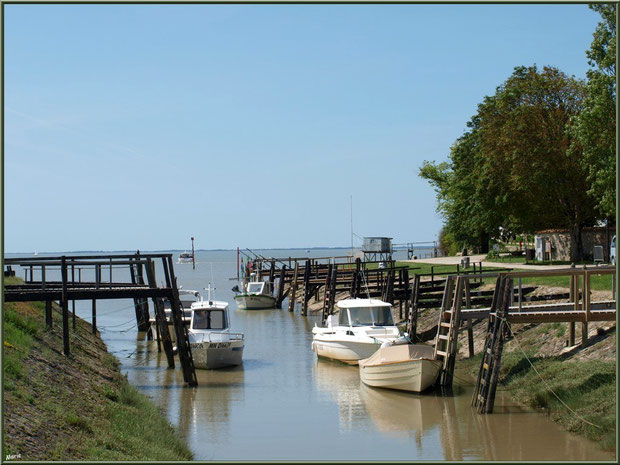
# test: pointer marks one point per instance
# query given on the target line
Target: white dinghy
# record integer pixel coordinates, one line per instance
(408, 367)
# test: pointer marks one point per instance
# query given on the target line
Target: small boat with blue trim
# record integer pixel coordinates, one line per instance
(211, 341)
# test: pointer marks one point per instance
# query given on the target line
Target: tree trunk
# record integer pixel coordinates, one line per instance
(576, 242)
(607, 243)
(484, 242)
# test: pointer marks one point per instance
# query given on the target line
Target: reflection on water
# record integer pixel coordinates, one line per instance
(284, 404)
(341, 383)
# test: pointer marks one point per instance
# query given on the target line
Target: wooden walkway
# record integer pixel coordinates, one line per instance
(143, 286)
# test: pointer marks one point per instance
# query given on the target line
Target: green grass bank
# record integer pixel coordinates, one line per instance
(78, 407)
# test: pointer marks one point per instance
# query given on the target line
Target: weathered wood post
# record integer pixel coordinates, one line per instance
(497, 353)
(407, 291)
(48, 303)
(280, 295)
(184, 349)
(304, 304)
(94, 316)
(48, 314)
(160, 316)
(293, 287)
(470, 328)
(574, 297)
(586, 306)
(65, 306)
(73, 301)
(326, 293)
(141, 304)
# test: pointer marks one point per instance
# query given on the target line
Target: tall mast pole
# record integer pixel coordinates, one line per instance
(351, 226)
(193, 256)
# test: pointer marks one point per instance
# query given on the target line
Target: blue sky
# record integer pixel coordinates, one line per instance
(138, 126)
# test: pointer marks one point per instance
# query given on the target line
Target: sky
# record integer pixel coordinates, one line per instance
(262, 126)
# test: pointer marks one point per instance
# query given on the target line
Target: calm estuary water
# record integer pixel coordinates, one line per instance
(284, 404)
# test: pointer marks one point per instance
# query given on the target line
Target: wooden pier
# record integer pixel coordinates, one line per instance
(71, 287)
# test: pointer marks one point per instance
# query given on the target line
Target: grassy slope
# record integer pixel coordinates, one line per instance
(76, 407)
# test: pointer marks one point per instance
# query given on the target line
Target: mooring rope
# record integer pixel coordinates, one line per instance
(365, 284)
(543, 380)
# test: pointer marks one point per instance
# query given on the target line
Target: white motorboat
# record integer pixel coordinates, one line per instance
(186, 304)
(407, 367)
(357, 332)
(212, 343)
(257, 295)
(186, 257)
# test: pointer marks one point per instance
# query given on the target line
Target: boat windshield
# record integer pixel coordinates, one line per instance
(209, 319)
(371, 316)
(343, 317)
(255, 287)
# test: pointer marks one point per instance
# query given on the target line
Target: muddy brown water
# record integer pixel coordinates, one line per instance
(285, 404)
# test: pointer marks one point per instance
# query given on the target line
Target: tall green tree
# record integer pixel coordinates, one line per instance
(513, 168)
(595, 126)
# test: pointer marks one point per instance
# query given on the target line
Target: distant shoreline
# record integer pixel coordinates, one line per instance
(205, 250)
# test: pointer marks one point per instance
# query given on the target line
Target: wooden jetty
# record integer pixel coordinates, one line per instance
(456, 307)
(71, 287)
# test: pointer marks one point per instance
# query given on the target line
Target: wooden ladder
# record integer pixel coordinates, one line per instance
(484, 393)
(448, 328)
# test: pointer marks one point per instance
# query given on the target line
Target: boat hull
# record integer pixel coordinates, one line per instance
(345, 351)
(212, 355)
(411, 375)
(255, 302)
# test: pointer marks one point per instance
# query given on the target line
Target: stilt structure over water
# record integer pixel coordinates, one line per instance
(71, 287)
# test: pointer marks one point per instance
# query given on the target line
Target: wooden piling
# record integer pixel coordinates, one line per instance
(304, 304)
(160, 316)
(65, 307)
(94, 316)
(48, 314)
(293, 289)
(183, 345)
(281, 282)
(470, 329)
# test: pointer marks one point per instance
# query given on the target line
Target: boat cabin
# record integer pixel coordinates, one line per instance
(209, 319)
(259, 287)
(364, 313)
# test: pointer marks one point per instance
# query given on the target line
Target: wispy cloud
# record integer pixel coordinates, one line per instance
(108, 148)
